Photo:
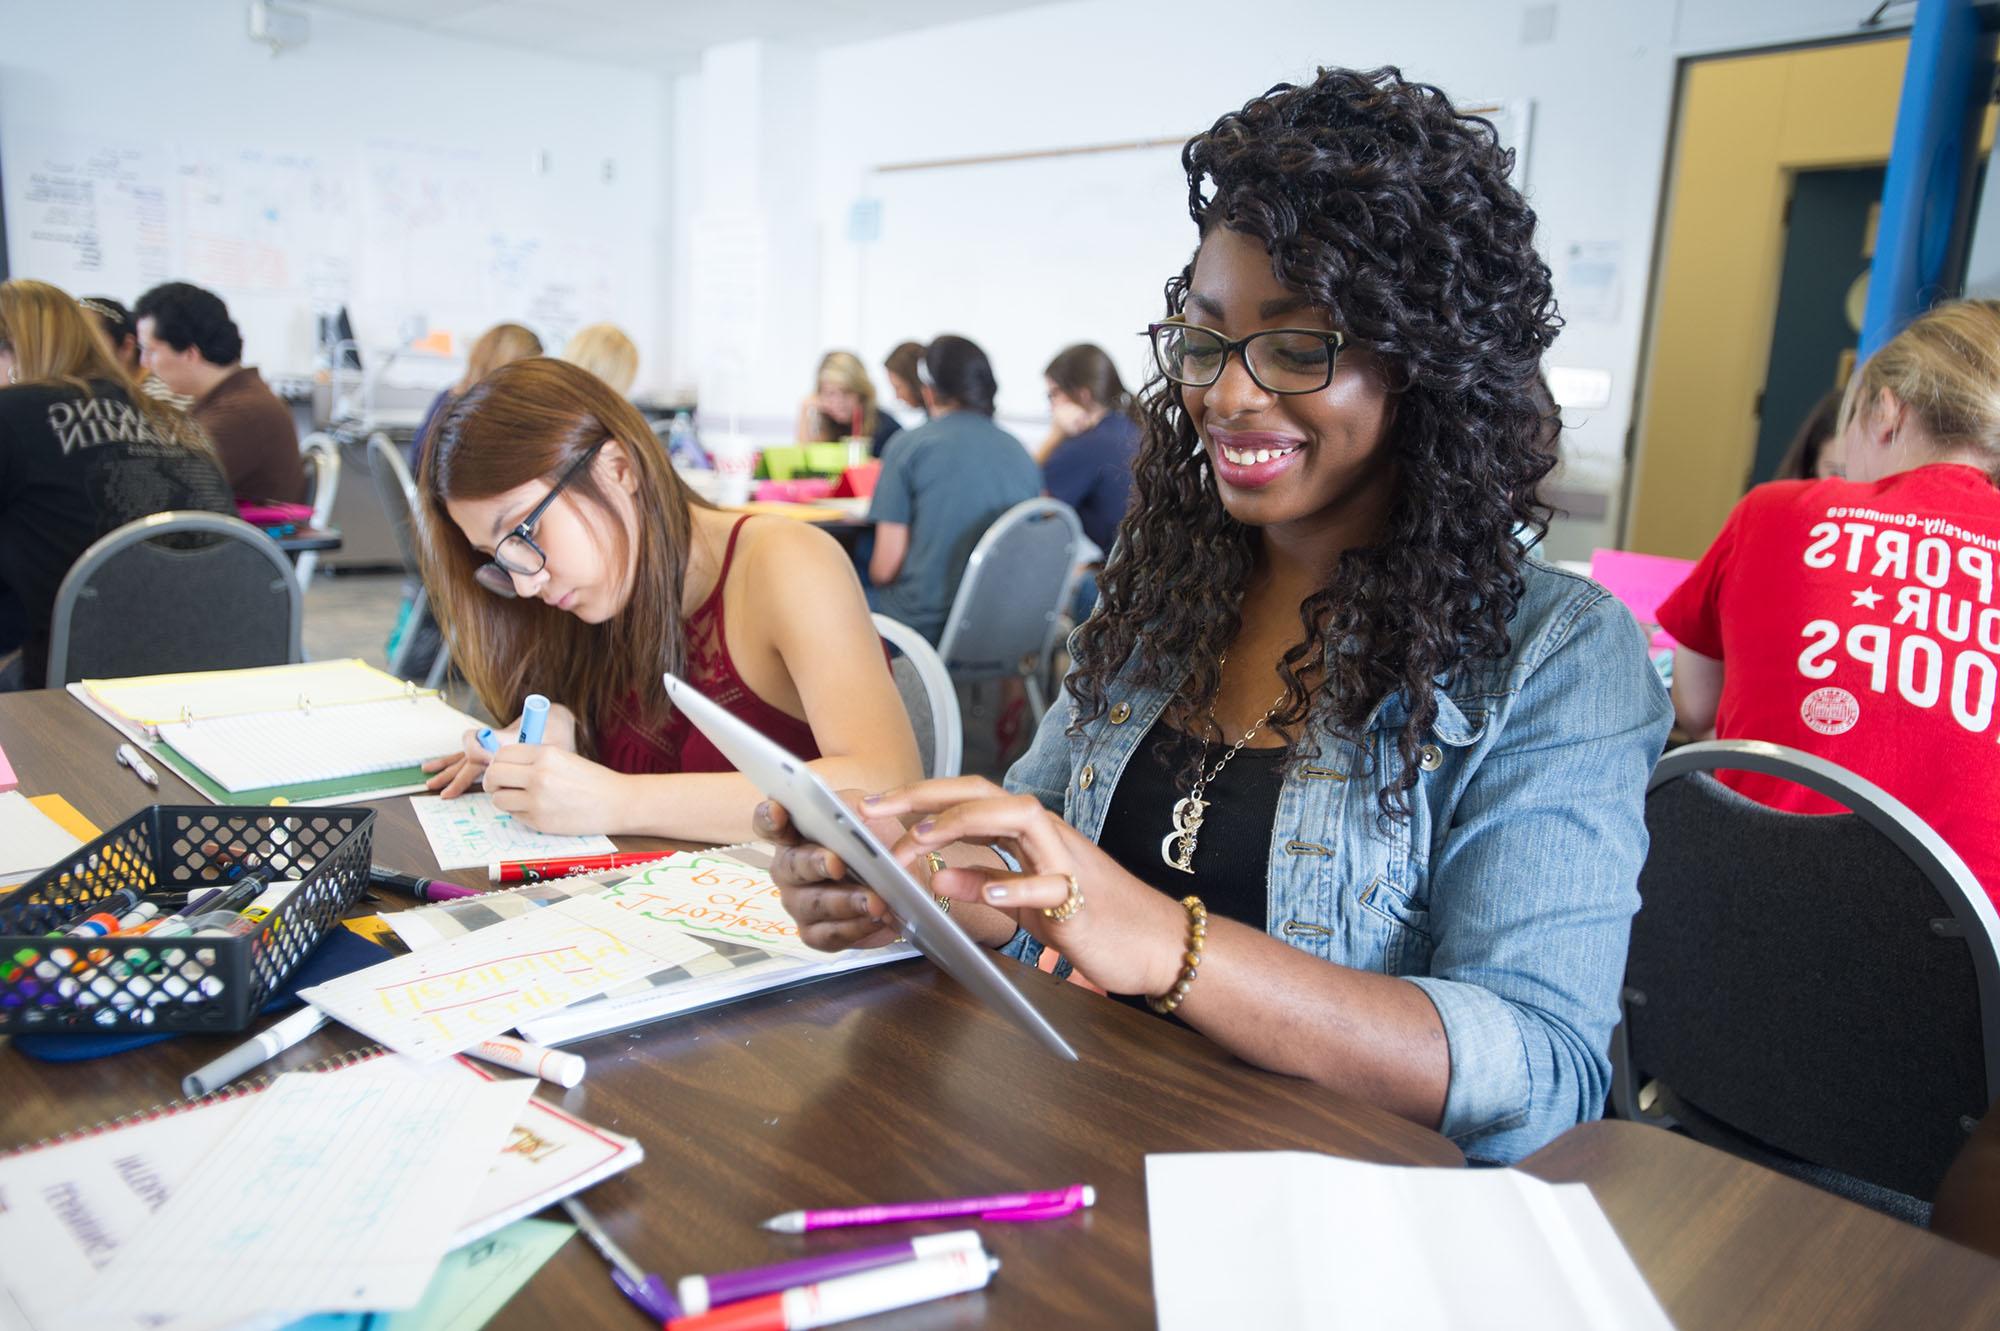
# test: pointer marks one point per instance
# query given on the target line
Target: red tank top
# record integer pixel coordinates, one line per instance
(627, 744)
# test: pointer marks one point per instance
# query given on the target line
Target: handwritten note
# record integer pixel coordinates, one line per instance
(446, 998)
(474, 1283)
(327, 1193)
(716, 896)
(469, 833)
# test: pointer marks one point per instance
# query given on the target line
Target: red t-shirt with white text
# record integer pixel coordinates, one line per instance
(1858, 621)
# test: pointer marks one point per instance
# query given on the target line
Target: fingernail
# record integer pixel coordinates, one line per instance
(996, 892)
(924, 828)
(871, 799)
(825, 865)
(861, 902)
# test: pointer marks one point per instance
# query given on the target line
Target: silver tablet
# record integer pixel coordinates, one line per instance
(823, 817)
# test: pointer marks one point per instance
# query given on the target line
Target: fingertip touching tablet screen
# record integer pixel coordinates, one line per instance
(822, 816)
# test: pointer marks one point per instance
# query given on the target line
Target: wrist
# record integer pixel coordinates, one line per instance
(1166, 946)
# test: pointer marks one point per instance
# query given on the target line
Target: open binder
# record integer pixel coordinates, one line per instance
(320, 732)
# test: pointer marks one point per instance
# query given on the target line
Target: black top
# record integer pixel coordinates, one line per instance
(1092, 473)
(1232, 854)
(75, 465)
(885, 430)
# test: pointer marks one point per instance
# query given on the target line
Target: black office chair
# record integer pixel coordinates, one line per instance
(175, 591)
(1817, 993)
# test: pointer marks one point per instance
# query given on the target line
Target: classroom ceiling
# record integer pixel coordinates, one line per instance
(668, 35)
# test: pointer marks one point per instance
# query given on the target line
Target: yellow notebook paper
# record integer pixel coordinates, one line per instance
(155, 700)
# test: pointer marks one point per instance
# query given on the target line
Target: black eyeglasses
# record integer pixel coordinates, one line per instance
(1280, 360)
(517, 552)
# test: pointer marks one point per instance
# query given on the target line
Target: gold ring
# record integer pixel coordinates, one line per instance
(1071, 904)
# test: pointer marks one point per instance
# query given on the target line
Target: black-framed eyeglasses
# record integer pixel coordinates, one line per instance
(1280, 360)
(517, 552)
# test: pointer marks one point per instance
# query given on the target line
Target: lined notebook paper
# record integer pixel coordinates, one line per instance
(327, 1193)
(258, 750)
(151, 700)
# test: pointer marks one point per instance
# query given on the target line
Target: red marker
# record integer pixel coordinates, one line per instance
(535, 871)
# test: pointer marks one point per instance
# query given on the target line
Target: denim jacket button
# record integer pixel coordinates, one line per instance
(1430, 757)
(1120, 712)
(1085, 777)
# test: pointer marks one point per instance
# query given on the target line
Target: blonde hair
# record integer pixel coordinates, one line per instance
(606, 352)
(502, 344)
(54, 341)
(1944, 367)
(853, 376)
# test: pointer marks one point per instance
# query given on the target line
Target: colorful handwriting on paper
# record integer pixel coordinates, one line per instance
(716, 897)
(447, 997)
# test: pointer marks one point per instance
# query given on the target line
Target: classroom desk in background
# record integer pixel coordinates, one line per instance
(891, 1085)
(846, 520)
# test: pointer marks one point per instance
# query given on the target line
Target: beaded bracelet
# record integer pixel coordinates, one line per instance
(1190, 960)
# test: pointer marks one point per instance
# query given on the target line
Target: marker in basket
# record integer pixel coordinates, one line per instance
(423, 889)
(251, 918)
(253, 1053)
(537, 871)
(700, 1293)
(1012, 1206)
(847, 1297)
(551, 1065)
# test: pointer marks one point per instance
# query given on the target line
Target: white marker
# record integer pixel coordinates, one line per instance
(551, 1065)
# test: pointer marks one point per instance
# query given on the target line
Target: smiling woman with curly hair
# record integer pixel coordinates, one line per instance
(1347, 780)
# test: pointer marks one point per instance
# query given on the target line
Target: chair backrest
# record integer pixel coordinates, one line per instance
(1016, 585)
(1827, 985)
(927, 695)
(171, 592)
(397, 490)
(321, 454)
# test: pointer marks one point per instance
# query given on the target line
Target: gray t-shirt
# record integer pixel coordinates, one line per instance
(947, 480)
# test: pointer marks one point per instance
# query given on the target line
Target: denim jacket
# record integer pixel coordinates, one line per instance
(1507, 895)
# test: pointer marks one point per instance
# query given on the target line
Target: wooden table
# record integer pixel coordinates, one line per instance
(889, 1085)
(1725, 1243)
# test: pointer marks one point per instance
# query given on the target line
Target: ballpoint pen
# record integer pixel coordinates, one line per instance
(129, 757)
(647, 1291)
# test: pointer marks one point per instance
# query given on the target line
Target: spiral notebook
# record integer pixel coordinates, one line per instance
(72, 1200)
(319, 732)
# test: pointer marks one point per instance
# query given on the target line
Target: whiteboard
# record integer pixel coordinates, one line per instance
(1031, 254)
(409, 236)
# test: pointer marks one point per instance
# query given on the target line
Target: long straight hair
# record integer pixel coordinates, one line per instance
(499, 345)
(846, 367)
(527, 421)
(55, 341)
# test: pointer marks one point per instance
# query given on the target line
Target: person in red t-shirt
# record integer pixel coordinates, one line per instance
(1856, 618)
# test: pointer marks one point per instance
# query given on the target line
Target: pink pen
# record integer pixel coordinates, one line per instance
(1007, 1206)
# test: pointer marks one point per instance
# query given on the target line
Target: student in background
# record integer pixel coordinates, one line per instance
(1087, 458)
(81, 452)
(606, 352)
(1420, 755)
(502, 344)
(121, 334)
(843, 406)
(1814, 454)
(187, 338)
(942, 485)
(1855, 618)
(565, 556)
(901, 367)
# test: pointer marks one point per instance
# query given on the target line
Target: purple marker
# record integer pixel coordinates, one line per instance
(423, 889)
(700, 1293)
(1007, 1206)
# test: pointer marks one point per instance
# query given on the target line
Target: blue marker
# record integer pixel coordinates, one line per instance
(488, 740)
(534, 716)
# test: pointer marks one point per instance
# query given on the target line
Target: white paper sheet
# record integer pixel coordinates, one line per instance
(326, 1193)
(469, 833)
(715, 894)
(30, 840)
(66, 1210)
(296, 748)
(1283, 1239)
(442, 1000)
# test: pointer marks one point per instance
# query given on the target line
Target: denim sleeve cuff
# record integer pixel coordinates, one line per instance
(1490, 1087)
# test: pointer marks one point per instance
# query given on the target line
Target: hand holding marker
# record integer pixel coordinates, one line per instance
(534, 718)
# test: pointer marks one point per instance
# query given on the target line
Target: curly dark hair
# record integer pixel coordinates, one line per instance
(185, 315)
(1381, 204)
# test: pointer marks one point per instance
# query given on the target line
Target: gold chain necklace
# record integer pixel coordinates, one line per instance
(1178, 846)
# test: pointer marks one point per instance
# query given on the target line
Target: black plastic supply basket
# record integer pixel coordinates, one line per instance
(187, 982)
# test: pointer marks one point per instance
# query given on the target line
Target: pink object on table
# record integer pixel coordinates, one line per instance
(805, 490)
(1641, 582)
(273, 513)
(7, 778)
(859, 482)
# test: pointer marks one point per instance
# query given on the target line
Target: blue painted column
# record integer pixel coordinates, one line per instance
(1926, 189)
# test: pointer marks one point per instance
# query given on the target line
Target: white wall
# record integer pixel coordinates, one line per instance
(1103, 71)
(518, 145)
